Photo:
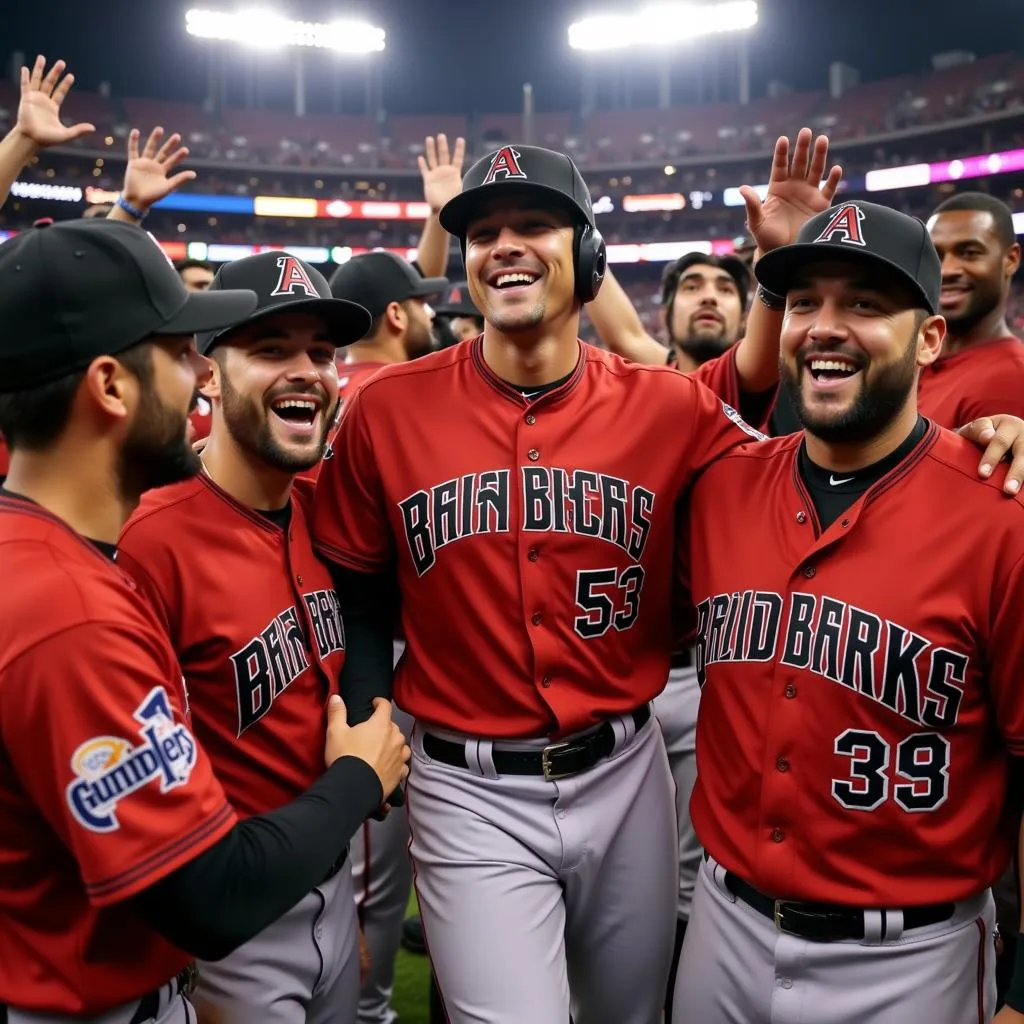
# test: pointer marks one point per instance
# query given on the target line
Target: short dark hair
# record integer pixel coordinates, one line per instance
(33, 419)
(982, 202)
(732, 265)
(183, 265)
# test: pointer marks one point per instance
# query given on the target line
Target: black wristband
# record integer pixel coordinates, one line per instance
(1015, 993)
(770, 299)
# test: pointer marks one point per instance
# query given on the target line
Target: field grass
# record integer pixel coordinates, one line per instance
(412, 979)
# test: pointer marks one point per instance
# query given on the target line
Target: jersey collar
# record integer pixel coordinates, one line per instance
(512, 393)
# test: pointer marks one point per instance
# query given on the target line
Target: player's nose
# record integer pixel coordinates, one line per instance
(828, 323)
(509, 242)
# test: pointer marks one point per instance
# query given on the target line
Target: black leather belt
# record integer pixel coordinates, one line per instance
(555, 761)
(826, 922)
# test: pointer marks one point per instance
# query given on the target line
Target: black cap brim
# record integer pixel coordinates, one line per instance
(777, 269)
(428, 286)
(210, 311)
(347, 322)
(457, 214)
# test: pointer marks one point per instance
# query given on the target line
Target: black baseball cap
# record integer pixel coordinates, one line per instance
(549, 177)
(865, 232)
(73, 291)
(458, 302)
(376, 279)
(284, 283)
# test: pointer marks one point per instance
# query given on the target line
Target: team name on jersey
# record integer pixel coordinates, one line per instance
(553, 500)
(876, 658)
(109, 768)
(278, 654)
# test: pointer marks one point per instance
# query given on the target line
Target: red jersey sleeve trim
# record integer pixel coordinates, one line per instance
(140, 876)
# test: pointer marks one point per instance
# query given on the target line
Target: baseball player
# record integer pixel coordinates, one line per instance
(851, 792)
(526, 534)
(123, 858)
(456, 318)
(258, 672)
(396, 296)
(196, 275)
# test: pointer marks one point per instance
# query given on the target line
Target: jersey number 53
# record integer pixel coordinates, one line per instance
(607, 598)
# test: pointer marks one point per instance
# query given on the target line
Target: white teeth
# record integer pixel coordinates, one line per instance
(831, 364)
(294, 403)
(513, 278)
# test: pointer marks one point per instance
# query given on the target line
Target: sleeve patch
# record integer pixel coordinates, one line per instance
(107, 769)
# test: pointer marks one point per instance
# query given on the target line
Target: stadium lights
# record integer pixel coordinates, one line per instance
(661, 25)
(268, 31)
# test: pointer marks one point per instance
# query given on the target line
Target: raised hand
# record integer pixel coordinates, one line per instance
(39, 110)
(441, 170)
(795, 191)
(147, 176)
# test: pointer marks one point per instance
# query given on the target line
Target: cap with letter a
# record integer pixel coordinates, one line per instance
(286, 284)
(550, 177)
(862, 232)
(81, 289)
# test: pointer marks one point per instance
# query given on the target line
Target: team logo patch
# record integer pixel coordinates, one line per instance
(291, 277)
(504, 162)
(740, 422)
(846, 224)
(109, 768)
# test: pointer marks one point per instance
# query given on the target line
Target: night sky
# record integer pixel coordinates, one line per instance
(466, 56)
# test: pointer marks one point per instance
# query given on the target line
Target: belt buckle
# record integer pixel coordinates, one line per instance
(545, 761)
(188, 978)
(778, 914)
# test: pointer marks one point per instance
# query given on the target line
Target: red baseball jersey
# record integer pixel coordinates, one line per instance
(533, 540)
(983, 379)
(252, 614)
(862, 684)
(103, 788)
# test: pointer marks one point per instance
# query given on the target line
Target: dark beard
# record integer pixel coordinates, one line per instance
(156, 452)
(247, 424)
(703, 350)
(877, 404)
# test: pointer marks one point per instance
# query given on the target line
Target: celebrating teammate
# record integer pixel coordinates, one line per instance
(529, 534)
(258, 671)
(851, 789)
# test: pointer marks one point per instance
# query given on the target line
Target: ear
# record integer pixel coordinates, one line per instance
(211, 386)
(1011, 261)
(110, 388)
(930, 336)
(396, 317)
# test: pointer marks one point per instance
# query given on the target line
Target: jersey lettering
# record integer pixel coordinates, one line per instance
(108, 769)
(277, 656)
(914, 678)
(554, 500)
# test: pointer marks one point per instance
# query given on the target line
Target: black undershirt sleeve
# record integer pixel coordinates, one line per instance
(263, 866)
(369, 610)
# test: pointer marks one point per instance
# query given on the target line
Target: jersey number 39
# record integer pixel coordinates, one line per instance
(921, 763)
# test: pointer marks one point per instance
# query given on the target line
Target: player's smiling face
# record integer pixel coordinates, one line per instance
(277, 382)
(852, 342)
(519, 261)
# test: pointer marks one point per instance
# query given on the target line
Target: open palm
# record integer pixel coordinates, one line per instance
(441, 170)
(147, 176)
(795, 192)
(41, 99)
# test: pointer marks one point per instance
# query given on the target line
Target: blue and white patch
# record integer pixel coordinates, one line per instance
(740, 422)
(108, 768)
